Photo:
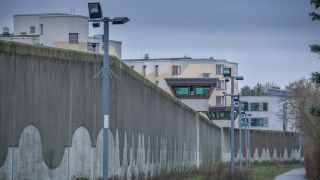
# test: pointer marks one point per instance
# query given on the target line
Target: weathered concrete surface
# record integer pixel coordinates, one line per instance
(51, 89)
(265, 146)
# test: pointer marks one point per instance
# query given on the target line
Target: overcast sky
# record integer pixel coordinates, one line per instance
(268, 38)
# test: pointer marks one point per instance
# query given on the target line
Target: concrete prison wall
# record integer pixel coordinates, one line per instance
(265, 146)
(51, 119)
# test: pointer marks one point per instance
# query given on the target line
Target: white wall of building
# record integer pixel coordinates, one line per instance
(22, 23)
(57, 28)
(273, 114)
(55, 32)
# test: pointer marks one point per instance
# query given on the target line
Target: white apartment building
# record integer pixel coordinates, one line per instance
(197, 82)
(58, 30)
(267, 112)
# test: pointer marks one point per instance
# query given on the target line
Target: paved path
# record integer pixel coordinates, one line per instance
(295, 174)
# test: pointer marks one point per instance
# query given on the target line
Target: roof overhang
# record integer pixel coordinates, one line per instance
(200, 81)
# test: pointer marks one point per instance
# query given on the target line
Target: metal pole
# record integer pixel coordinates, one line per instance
(106, 82)
(246, 139)
(249, 156)
(232, 128)
(240, 136)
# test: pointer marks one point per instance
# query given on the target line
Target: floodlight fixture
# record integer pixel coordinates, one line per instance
(120, 20)
(95, 11)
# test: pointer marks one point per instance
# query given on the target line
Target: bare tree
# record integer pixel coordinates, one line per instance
(302, 107)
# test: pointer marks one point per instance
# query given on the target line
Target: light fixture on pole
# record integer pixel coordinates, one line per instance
(95, 16)
(227, 73)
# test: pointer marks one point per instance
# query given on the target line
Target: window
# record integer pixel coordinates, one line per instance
(221, 85)
(176, 70)
(23, 33)
(157, 70)
(218, 114)
(212, 114)
(259, 122)
(219, 69)
(220, 100)
(41, 29)
(205, 75)
(73, 38)
(254, 106)
(181, 90)
(245, 106)
(144, 70)
(32, 29)
(191, 90)
(202, 90)
(265, 106)
(222, 114)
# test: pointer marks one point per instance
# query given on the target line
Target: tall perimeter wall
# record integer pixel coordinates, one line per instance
(51, 119)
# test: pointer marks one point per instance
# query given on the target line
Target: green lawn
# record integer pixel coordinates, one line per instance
(270, 170)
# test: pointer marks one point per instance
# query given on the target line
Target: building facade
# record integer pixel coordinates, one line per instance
(197, 82)
(268, 112)
(58, 30)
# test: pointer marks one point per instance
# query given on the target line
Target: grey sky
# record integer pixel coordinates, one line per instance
(268, 38)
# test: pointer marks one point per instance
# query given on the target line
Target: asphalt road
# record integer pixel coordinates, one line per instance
(295, 174)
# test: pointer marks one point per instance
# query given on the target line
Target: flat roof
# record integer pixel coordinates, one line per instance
(42, 14)
(181, 59)
(45, 15)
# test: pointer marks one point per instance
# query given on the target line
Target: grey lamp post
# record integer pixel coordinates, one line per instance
(247, 140)
(227, 73)
(240, 134)
(247, 144)
(96, 17)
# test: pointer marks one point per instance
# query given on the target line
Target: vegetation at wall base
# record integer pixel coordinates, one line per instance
(221, 171)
